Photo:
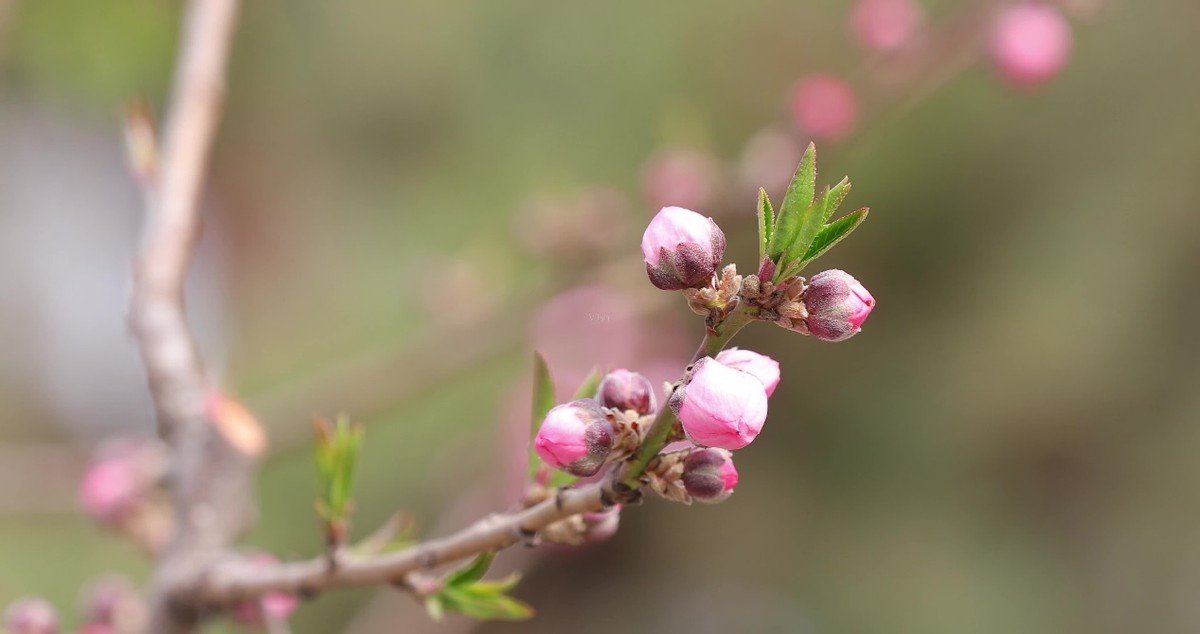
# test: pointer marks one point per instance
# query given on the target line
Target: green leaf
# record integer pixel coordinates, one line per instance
(495, 588)
(810, 224)
(337, 451)
(473, 572)
(833, 233)
(796, 206)
(543, 402)
(485, 608)
(590, 385)
(833, 199)
(766, 223)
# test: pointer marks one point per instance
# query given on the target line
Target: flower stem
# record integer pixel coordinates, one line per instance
(715, 340)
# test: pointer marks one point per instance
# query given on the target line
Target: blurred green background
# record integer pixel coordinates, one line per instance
(399, 188)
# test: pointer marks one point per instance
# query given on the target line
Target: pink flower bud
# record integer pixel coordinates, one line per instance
(824, 106)
(31, 615)
(709, 475)
(272, 606)
(885, 26)
(722, 407)
(601, 525)
(1030, 43)
(575, 437)
(625, 390)
(110, 488)
(682, 249)
(837, 305)
(760, 366)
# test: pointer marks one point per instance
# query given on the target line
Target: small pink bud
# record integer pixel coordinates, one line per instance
(682, 249)
(722, 407)
(625, 390)
(31, 615)
(824, 106)
(709, 475)
(680, 177)
(837, 305)
(1030, 43)
(272, 606)
(760, 366)
(575, 437)
(109, 488)
(885, 26)
(601, 525)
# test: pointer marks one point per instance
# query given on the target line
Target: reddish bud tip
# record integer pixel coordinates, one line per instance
(721, 406)
(682, 249)
(709, 475)
(837, 305)
(575, 437)
(625, 390)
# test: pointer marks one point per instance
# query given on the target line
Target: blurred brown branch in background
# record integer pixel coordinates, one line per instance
(209, 476)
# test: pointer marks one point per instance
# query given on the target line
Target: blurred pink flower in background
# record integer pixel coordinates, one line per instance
(824, 106)
(769, 160)
(1030, 44)
(681, 177)
(885, 26)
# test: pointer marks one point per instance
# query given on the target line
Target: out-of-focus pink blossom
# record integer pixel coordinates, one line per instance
(709, 475)
(682, 249)
(31, 615)
(885, 26)
(113, 601)
(686, 178)
(760, 366)
(1030, 43)
(722, 407)
(110, 488)
(575, 437)
(769, 160)
(98, 628)
(824, 106)
(837, 305)
(627, 390)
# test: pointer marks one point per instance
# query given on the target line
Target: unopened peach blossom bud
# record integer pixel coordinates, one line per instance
(760, 366)
(682, 249)
(625, 390)
(837, 305)
(720, 406)
(575, 437)
(709, 475)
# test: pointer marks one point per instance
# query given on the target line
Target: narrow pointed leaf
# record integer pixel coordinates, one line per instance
(797, 205)
(833, 233)
(810, 224)
(766, 223)
(590, 385)
(473, 572)
(435, 608)
(543, 402)
(495, 588)
(833, 199)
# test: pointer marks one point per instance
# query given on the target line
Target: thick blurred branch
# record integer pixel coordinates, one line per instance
(210, 478)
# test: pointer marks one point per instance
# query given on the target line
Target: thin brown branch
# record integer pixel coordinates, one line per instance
(239, 580)
(210, 478)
